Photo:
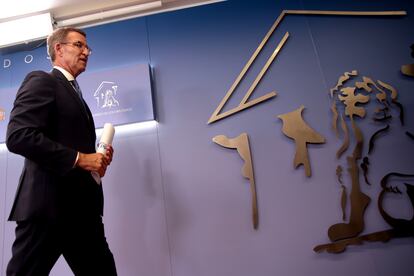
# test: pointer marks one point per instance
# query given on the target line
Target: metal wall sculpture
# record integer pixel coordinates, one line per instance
(347, 112)
(245, 103)
(408, 69)
(295, 128)
(344, 101)
(241, 144)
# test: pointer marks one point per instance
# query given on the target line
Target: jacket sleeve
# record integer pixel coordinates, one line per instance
(28, 131)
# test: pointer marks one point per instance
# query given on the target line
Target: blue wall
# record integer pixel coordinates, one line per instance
(176, 203)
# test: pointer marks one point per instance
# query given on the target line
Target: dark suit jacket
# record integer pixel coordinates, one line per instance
(48, 126)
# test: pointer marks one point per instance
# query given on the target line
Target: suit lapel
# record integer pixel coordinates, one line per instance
(71, 91)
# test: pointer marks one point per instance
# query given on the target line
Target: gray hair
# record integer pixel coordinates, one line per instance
(58, 36)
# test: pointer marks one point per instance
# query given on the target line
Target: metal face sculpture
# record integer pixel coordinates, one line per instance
(351, 100)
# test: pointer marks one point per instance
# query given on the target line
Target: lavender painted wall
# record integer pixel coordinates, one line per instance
(177, 204)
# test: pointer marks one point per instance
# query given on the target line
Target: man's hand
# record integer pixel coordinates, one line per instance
(109, 153)
(95, 161)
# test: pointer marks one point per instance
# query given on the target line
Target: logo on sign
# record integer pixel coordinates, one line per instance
(105, 95)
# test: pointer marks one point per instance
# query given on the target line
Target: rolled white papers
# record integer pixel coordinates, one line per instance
(106, 140)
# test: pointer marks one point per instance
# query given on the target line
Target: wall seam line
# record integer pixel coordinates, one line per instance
(165, 202)
(160, 166)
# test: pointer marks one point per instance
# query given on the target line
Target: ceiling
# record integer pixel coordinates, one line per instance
(66, 9)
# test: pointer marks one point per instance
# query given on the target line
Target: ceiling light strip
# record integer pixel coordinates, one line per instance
(100, 16)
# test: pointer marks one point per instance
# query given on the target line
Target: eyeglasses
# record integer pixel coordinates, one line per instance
(81, 46)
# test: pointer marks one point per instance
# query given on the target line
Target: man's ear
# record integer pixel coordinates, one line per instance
(58, 49)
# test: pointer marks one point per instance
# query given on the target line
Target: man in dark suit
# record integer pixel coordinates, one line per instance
(58, 206)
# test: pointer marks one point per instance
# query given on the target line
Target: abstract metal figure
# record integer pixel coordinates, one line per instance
(400, 228)
(374, 137)
(241, 144)
(244, 104)
(343, 202)
(295, 128)
(408, 69)
(364, 167)
(346, 76)
(345, 234)
(339, 173)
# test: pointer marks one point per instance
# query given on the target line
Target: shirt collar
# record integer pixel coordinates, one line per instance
(67, 75)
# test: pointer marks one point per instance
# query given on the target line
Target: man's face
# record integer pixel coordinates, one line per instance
(72, 54)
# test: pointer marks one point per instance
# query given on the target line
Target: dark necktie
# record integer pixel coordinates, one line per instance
(76, 87)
